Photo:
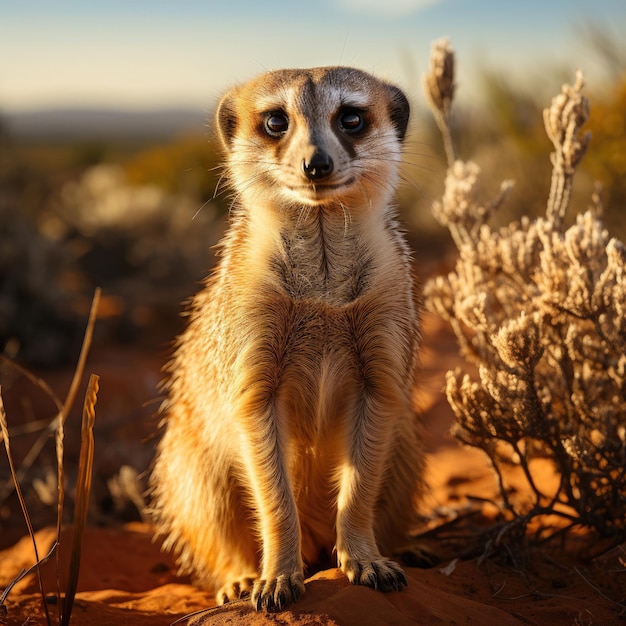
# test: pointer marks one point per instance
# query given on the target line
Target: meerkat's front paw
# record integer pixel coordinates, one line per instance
(379, 574)
(275, 594)
(235, 589)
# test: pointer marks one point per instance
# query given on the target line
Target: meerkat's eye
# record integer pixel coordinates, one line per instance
(276, 123)
(351, 121)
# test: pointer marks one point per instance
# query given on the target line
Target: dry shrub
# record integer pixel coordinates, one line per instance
(539, 311)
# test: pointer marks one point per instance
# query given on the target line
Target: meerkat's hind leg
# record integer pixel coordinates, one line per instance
(397, 515)
(382, 574)
(238, 541)
(236, 589)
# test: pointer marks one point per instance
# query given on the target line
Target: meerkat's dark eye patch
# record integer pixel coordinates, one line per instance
(276, 123)
(351, 120)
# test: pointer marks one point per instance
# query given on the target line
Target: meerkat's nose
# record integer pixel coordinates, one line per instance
(320, 165)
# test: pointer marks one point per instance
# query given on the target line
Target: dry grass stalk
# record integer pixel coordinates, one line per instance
(84, 470)
(540, 311)
(63, 410)
(82, 358)
(59, 434)
(49, 426)
(83, 489)
(5, 436)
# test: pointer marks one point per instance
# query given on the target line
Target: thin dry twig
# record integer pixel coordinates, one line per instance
(26, 572)
(599, 591)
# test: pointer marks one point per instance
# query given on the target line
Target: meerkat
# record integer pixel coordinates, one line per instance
(289, 425)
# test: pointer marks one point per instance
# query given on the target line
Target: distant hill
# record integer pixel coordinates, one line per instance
(77, 123)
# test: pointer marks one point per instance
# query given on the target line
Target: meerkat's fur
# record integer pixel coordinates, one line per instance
(289, 425)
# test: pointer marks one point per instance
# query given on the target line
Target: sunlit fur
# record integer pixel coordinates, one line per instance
(289, 426)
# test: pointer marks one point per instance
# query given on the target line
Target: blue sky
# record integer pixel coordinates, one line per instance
(184, 53)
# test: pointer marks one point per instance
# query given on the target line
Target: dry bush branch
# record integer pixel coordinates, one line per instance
(540, 310)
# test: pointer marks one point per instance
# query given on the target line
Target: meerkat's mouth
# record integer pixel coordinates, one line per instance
(316, 190)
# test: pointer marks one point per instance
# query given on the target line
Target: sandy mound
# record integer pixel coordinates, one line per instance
(126, 579)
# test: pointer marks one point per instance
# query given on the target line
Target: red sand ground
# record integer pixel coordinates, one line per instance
(125, 579)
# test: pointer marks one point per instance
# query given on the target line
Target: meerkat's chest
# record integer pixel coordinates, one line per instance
(323, 263)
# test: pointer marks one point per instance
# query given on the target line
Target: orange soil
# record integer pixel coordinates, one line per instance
(125, 578)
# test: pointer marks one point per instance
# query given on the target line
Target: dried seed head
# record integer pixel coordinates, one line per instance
(439, 82)
(563, 121)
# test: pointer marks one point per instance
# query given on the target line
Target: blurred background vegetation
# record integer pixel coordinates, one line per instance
(137, 212)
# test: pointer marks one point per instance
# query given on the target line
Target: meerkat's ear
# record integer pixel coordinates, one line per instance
(226, 119)
(399, 110)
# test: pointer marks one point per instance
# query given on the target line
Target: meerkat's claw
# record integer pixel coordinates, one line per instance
(277, 593)
(381, 574)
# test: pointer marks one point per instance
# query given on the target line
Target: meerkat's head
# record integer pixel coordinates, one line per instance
(317, 137)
